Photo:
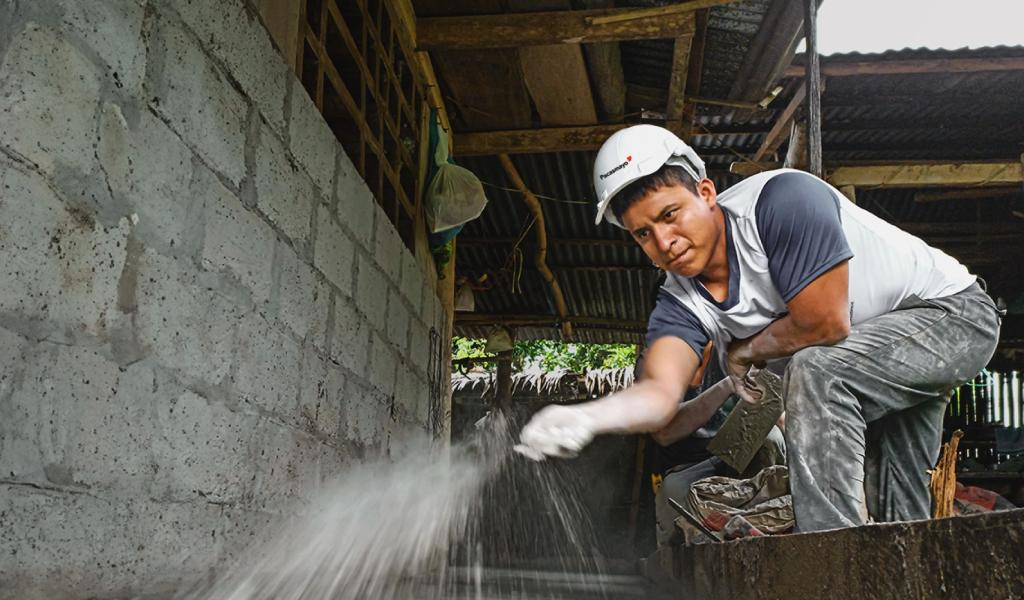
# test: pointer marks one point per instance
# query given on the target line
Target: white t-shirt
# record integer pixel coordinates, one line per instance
(784, 229)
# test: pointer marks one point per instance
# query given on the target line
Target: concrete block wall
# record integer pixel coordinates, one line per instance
(204, 314)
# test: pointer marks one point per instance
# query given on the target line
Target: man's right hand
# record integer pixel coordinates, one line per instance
(556, 430)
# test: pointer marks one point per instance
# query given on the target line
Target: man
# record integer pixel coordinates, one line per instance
(880, 326)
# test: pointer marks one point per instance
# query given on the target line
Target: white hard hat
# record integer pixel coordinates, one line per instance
(636, 152)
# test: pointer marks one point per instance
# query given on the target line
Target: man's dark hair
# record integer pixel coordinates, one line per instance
(666, 176)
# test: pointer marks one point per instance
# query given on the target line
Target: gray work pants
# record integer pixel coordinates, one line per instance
(864, 417)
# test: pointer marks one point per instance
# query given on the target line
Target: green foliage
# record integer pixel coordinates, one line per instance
(550, 355)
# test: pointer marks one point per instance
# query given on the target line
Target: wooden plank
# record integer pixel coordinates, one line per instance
(604, 64)
(556, 75)
(770, 51)
(522, 141)
(676, 101)
(782, 127)
(796, 152)
(553, 27)
(487, 88)
(928, 174)
(909, 67)
(556, 78)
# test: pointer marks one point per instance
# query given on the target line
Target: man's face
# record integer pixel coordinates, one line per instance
(676, 228)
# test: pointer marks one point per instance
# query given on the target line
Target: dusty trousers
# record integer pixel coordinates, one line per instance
(864, 417)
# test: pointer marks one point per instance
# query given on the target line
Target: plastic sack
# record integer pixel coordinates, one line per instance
(455, 195)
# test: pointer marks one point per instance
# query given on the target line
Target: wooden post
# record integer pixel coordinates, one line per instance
(503, 383)
(503, 377)
(813, 79)
(850, 192)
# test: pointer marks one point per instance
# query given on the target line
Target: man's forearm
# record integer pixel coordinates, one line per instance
(693, 414)
(640, 408)
(785, 337)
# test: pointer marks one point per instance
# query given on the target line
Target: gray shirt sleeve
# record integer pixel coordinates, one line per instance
(801, 230)
(671, 317)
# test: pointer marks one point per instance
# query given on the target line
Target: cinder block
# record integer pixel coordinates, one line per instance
(351, 337)
(334, 251)
(200, 450)
(312, 142)
(412, 283)
(304, 302)
(411, 396)
(235, 36)
(371, 292)
(388, 246)
(268, 368)
(355, 203)
(113, 30)
(149, 171)
(48, 97)
(238, 241)
(107, 547)
(288, 470)
(95, 421)
(419, 345)
(383, 362)
(196, 99)
(283, 193)
(397, 322)
(186, 326)
(60, 268)
(366, 416)
(320, 392)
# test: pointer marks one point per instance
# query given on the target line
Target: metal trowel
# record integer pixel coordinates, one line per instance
(747, 426)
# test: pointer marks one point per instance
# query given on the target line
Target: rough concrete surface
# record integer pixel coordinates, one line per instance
(203, 312)
(962, 557)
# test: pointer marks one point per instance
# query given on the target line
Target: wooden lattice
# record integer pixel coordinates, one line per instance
(358, 67)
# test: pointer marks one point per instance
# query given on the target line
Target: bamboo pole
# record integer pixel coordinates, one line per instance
(540, 258)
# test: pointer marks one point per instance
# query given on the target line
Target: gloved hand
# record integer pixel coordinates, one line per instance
(556, 430)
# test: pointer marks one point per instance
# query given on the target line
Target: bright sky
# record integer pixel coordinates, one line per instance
(879, 25)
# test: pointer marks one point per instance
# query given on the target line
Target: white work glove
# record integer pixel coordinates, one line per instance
(556, 430)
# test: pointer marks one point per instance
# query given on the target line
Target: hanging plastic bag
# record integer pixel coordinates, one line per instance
(455, 195)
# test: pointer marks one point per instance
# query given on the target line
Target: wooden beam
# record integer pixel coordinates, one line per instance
(908, 67)
(982, 193)
(812, 80)
(928, 174)
(695, 72)
(540, 257)
(782, 127)
(405, 16)
(557, 27)
(471, 242)
(472, 318)
(676, 102)
(522, 141)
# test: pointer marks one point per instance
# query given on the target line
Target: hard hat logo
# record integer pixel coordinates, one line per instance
(617, 168)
